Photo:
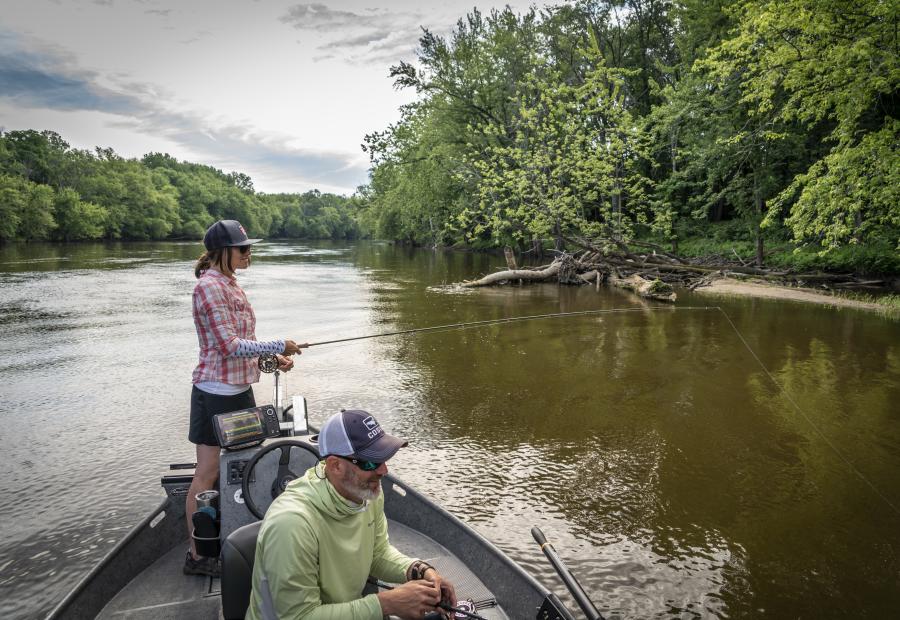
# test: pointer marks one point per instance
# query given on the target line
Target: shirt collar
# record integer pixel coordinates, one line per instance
(215, 273)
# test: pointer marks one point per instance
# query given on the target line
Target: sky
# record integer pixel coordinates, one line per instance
(282, 91)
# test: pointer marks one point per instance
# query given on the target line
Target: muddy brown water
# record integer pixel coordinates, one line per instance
(679, 473)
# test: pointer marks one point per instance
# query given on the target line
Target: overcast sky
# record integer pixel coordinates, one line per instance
(282, 91)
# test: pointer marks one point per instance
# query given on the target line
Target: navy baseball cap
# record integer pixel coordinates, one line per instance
(358, 435)
(226, 234)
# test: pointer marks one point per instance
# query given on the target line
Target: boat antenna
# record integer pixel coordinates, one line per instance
(566, 575)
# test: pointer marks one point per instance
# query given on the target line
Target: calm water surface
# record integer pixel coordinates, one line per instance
(668, 469)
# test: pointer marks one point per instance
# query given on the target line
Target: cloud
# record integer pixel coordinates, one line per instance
(42, 80)
(45, 79)
(373, 37)
(319, 17)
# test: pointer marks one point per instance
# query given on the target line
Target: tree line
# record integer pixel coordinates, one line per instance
(50, 191)
(649, 119)
(768, 124)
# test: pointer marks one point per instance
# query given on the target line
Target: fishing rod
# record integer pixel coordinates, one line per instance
(566, 575)
(513, 319)
(445, 606)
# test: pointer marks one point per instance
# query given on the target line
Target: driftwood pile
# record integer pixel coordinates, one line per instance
(652, 271)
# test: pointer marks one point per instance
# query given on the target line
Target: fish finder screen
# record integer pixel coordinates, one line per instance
(241, 427)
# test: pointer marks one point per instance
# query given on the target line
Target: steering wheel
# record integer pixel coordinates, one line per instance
(282, 478)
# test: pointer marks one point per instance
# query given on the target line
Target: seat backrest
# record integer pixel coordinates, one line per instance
(238, 552)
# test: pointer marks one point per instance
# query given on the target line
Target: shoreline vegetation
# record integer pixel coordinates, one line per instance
(668, 141)
(655, 274)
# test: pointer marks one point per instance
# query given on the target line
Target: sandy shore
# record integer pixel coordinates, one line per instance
(728, 286)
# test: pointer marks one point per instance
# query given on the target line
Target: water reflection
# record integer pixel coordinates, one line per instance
(665, 465)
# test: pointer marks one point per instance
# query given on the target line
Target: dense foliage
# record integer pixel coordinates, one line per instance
(633, 119)
(772, 124)
(49, 191)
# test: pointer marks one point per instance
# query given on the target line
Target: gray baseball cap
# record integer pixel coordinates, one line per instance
(226, 234)
(357, 434)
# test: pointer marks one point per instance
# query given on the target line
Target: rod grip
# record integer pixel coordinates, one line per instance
(538, 536)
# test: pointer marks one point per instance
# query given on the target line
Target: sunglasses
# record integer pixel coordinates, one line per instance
(363, 465)
(245, 249)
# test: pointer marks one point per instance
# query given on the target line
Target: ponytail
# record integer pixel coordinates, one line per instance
(203, 263)
(213, 257)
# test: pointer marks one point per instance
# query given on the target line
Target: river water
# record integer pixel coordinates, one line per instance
(729, 463)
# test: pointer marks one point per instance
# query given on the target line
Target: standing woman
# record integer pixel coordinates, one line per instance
(228, 367)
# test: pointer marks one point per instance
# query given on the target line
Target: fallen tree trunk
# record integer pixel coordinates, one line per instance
(594, 260)
(651, 289)
(517, 274)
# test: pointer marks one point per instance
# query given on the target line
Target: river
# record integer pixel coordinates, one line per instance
(729, 463)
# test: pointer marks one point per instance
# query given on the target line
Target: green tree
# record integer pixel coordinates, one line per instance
(36, 221)
(466, 82)
(40, 156)
(12, 201)
(835, 64)
(26, 209)
(78, 220)
(573, 165)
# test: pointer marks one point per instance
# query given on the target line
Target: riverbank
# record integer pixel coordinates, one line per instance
(754, 288)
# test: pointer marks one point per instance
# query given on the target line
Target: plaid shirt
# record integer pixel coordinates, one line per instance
(222, 314)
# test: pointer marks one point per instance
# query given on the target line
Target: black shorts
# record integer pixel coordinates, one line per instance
(205, 405)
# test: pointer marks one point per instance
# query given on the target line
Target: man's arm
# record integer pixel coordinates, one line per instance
(391, 565)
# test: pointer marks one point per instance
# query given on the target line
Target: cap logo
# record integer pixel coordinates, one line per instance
(242, 229)
(372, 425)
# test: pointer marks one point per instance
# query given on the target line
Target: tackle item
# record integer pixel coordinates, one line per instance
(460, 611)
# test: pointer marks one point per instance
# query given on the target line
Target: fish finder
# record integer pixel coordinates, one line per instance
(246, 427)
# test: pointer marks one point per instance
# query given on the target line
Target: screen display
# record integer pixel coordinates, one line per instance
(240, 427)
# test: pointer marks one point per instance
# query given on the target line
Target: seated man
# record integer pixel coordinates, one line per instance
(327, 533)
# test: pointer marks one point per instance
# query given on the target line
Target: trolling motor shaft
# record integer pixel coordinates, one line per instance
(566, 575)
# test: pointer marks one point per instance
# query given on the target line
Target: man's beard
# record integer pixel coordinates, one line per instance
(361, 491)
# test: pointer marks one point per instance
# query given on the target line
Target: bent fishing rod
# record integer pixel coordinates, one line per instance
(512, 319)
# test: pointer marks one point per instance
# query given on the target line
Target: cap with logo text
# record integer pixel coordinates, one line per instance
(226, 234)
(357, 434)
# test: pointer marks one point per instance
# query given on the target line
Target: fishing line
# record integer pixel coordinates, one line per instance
(514, 319)
(809, 421)
(555, 315)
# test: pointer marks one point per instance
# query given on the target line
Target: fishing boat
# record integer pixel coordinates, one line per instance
(265, 448)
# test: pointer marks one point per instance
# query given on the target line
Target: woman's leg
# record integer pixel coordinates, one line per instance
(205, 477)
(203, 407)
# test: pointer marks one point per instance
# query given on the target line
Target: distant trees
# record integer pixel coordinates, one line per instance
(49, 191)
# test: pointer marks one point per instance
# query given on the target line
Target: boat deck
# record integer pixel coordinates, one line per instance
(162, 592)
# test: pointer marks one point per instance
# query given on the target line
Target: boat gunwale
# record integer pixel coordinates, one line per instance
(126, 541)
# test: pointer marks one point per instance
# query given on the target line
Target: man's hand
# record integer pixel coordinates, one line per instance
(284, 363)
(448, 593)
(411, 600)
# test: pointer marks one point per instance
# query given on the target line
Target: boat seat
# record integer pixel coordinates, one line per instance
(238, 552)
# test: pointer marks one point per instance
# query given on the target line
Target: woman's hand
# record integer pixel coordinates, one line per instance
(284, 363)
(291, 347)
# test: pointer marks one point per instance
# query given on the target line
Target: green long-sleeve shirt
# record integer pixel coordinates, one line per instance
(315, 551)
